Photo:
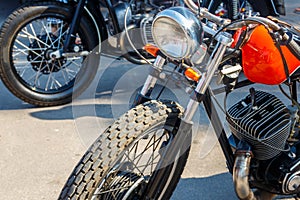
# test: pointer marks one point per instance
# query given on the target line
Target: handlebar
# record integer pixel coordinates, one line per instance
(191, 5)
(218, 20)
(205, 13)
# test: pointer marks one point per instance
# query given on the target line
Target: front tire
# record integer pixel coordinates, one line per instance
(126, 158)
(27, 38)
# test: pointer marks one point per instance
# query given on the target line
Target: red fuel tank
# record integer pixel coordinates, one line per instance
(261, 60)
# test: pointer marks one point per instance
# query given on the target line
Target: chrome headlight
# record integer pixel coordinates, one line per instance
(177, 32)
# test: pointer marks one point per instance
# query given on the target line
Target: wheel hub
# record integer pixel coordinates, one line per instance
(39, 54)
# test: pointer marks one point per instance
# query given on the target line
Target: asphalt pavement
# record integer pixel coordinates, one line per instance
(40, 146)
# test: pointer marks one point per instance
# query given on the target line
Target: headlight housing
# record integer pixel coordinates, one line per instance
(177, 32)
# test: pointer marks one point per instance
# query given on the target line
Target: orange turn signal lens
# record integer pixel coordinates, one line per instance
(192, 74)
(153, 50)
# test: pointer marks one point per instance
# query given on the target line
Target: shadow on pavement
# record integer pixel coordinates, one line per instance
(218, 186)
(66, 112)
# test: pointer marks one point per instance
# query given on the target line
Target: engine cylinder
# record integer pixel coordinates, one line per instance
(265, 127)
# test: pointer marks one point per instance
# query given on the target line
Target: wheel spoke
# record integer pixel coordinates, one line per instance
(34, 37)
(38, 74)
(27, 48)
(151, 144)
(69, 69)
(136, 161)
(47, 32)
(61, 34)
(110, 190)
(55, 83)
(132, 162)
(152, 159)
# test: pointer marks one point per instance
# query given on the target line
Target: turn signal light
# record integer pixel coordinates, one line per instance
(192, 74)
(153, 50)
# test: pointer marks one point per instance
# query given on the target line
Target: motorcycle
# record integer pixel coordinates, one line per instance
(143, 153)
(44, 45)
(236, 9)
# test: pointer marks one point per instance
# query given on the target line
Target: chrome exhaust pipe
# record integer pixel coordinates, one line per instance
(240, 176)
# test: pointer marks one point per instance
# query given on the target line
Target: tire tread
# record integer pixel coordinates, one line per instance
(114, 142)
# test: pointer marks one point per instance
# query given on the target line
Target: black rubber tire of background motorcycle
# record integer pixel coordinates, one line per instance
(97, 161)
(9, 76)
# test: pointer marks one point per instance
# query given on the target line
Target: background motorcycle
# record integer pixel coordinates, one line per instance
(236, 9)
(43, 44)
(143, 153)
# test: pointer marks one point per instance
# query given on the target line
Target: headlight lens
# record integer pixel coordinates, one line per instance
(170, 37)
(177, 32)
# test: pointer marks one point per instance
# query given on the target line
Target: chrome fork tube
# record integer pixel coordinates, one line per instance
(224, 40)
(190, 110)
(149, 83)
(151, 80)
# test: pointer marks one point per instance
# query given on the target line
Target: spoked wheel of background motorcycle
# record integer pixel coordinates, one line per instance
(123, 160)
(27, 38)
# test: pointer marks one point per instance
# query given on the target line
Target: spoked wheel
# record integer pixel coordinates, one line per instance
(132, 157)
(28, 67)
